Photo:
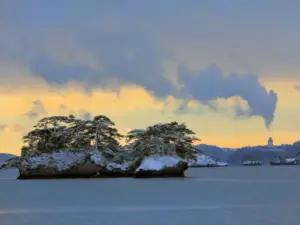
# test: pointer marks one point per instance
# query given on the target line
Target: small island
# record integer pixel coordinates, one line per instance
(68, 147)
(250, 160)
(206, 161)
(252, 163)
(279, 161)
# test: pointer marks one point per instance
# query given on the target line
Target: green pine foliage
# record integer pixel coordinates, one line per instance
(68, 132)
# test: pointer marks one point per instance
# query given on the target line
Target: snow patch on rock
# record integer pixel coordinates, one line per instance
(113, 166)
(61, 160)
(97, 158)
(36, 161)
(222, 164)
(65, 160)
(202, 160)
(290, 160)
(156, 163)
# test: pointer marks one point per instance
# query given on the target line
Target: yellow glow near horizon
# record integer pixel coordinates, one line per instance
(134, 107)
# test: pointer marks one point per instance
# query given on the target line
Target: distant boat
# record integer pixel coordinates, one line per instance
(252, 163)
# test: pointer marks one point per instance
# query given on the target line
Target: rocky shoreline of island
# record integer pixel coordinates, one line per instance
(88, 163)
(91, 164)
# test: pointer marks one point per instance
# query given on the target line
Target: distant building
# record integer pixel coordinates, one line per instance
(270, 142)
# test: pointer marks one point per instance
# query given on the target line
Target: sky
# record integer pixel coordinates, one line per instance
(228, 69)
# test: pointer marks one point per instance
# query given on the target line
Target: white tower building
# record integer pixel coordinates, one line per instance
(270, 142)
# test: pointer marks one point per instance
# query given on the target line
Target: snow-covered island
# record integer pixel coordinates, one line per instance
(205, 161)
(252, 163)
(65, 146)
(251, 160)
(278, 161)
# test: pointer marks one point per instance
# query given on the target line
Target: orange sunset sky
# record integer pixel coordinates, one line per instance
(232, 77)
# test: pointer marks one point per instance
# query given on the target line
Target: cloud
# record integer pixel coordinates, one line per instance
(210, 84)
(83, 114)
(90, 51)
(109, 46)
(18, 128)
(63, 107)
(97, 41)
(297, 87)
(37, 110)
(125, 59)
(2, 127)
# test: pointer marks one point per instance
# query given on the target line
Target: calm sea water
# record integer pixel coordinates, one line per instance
(211, 196)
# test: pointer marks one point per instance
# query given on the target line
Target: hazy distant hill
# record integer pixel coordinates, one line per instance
(5, 156)
(263, 153)
(11, 173)
(236, 156)
(291, 151)
(215, 152)
(258, 153)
